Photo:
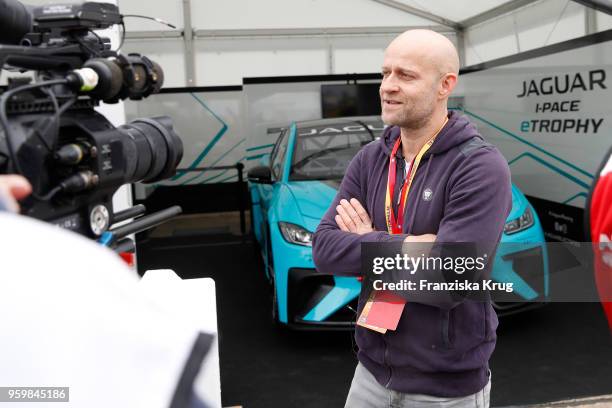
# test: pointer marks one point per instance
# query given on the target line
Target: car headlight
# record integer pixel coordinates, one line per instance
(295, 234)
(518, 224)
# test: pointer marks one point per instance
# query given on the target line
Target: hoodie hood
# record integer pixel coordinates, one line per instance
(457, 130)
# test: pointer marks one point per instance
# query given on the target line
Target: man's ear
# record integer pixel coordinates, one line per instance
(447, 84)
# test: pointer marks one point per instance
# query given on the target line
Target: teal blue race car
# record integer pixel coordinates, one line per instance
(294, 185)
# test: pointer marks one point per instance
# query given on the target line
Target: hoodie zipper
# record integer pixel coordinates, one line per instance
(401, 164)
(385, 362)
(385, 348)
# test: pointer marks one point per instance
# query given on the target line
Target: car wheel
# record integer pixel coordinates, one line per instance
(256, 244)
(270, 265)
(274, 305)
(274, 309)
(268, 254)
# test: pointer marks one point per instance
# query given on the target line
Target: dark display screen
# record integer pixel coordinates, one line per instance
(349, 100)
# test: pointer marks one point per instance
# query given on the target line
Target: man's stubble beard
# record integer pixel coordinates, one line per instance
(413, 119)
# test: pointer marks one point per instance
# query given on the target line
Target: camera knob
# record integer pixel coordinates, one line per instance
(99, 219)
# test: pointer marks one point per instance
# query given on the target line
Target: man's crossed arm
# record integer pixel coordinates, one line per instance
(352, 217)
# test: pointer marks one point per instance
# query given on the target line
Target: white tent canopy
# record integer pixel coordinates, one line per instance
(221, 42)
(226, 41)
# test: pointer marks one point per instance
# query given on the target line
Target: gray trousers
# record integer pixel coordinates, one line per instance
(366, 392)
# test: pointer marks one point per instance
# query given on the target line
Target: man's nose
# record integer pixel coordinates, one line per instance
(389, 84)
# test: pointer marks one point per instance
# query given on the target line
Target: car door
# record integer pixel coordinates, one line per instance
(267, 193)
(276, 168)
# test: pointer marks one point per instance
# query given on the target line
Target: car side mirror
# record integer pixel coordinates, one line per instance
(260, 175)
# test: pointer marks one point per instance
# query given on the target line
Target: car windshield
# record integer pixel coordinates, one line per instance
(324, 152)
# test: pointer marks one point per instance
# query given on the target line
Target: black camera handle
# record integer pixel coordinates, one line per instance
(141, 224)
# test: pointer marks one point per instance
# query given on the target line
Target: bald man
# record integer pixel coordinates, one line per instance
(449, 186)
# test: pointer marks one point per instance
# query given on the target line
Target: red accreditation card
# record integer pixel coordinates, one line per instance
(384, 308)
(382, 311)
(364, 315)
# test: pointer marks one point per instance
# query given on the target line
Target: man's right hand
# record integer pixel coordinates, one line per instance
(13, 188)
(352, 217)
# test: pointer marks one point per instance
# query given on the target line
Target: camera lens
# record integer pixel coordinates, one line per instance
(152, 149)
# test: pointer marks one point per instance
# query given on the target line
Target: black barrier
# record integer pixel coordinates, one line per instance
(239, 186)
(203, 198)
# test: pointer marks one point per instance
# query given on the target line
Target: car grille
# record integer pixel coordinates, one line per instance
(529, 265)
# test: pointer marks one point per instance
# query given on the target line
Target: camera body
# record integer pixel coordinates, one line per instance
(72, 155)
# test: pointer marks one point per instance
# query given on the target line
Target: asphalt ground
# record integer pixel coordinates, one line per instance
(560, 351)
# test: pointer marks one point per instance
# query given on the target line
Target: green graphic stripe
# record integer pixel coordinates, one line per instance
(250, 149)
(210, 145)
(520, 139)
(256, 156)
(215, 162)
(575, 196)
(550, 166)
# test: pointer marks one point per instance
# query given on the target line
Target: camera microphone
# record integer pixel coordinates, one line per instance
(99, 77)
(110, 78)
(15, 21)
(132, 76)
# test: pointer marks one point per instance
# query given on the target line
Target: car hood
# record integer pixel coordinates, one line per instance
(313, 198)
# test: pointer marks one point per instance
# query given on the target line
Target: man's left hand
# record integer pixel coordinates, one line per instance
(13, 188)
(352, 217)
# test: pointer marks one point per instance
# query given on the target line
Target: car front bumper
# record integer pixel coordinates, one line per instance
(321, 301)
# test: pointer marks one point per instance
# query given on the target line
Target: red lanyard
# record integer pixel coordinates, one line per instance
(396, 223)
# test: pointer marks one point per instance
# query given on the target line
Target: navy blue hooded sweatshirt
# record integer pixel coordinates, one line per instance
(440, 350)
